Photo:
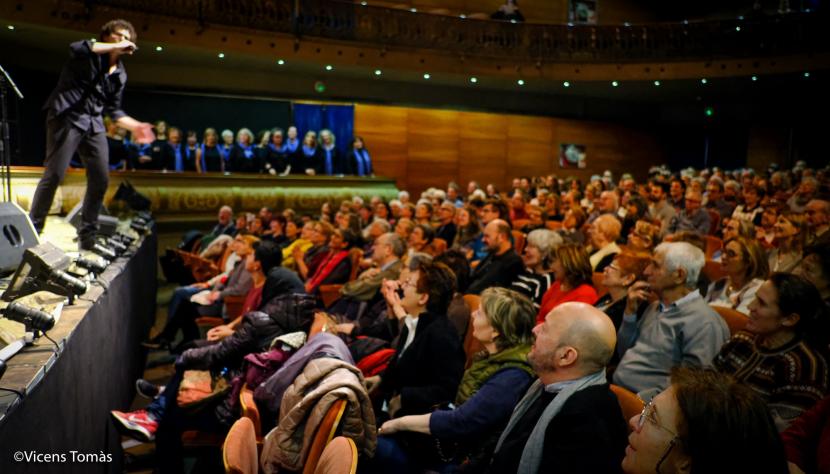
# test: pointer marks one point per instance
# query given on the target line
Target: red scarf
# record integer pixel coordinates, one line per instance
(324, 269)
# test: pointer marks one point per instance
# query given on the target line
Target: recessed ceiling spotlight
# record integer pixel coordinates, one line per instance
(426, 75)
(329, 67)
(159, 48)
(378, 72)
(614, 83)
(221, 55)
(520, 82)
(704, 81)
(473, 80)
(657, 83)
(566, 84)
(280, 62)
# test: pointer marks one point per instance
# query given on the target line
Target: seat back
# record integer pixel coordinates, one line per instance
(713, 244)
(339, 457)
(713, 270)
(250, 410)
(630, 404)
(355, 255)
(329, 294)
(439, 246)
(239, 452)
(324, 434)
(234, 305)
(597, 278)
(518, 241)
(735, 319)
(471, 344)
(714, 222)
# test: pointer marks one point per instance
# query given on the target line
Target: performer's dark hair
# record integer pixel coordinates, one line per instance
(118, 24)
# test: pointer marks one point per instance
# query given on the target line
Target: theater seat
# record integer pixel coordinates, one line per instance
(329, 294)
(471, 344)
(239, 451)
(736, 320)
(713, 270)
(630, 404)
(250, 410)
(339, 457)
(597, 278)
(324, 434)
(518, 241)
(713, 244)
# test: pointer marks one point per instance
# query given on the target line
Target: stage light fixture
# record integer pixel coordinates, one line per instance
(91, 264)
(462, 16)
(44, 268)
(32, 318)
(709, 111)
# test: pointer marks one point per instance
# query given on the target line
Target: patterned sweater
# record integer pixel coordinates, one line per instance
(792, 378)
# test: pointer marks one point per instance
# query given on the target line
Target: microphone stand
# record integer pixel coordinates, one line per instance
(5, 142)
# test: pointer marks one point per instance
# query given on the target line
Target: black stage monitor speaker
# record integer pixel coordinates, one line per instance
(106, 223)
(16, 235)
(43, 267)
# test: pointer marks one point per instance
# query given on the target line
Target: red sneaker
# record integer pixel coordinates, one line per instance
(137, 424)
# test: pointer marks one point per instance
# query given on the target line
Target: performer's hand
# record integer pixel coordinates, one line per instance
(143, 133)
(125, 47)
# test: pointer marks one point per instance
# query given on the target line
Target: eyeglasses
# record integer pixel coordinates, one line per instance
(648, 414)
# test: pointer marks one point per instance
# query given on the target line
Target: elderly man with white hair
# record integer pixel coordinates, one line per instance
(679, 329)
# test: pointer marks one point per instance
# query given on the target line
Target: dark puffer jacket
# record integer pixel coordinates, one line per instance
(282, 315)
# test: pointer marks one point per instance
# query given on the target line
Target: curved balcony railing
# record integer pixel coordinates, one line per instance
(757, 36)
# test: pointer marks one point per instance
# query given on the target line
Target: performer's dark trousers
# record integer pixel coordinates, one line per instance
(62, 140)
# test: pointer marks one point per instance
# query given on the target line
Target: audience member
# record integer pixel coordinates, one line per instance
(626, 268)
(677, 329)
(692, 218)
(572, 268)
(569, 420)
(603, 234)
(789, 240)
(501, 265)
(783, 353)
(746, 269)
(537, 257)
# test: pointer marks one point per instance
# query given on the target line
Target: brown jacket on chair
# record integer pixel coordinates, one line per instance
(305, 404)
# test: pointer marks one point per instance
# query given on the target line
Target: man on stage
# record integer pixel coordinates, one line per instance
(91, 83)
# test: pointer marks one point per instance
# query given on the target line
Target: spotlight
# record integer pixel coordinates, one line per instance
(657, 83)
(754, 78)
(566, 84)
(474, 80)
(104, 251)
(280, 62)
(44, 268)
(10, 27)
(426, 75)
(806, 74)
(704, 81)
(159, 48)
(33, 318)
(738, 28)
(520, 82)
(221, 55)
(378, 72)
(413, 10)
(329, 67)
(614, 83)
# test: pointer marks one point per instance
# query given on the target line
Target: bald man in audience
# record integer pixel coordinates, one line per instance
(569, 420)
(501, 265)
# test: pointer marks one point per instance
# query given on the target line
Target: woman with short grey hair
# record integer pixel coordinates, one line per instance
(535, 280)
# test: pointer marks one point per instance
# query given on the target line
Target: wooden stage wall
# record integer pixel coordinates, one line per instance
(421, 148)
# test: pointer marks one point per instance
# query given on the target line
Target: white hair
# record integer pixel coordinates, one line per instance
(227, 133)
(403, 195)
(545, 240)
(357, 200)
(683, 255)
(395, 202)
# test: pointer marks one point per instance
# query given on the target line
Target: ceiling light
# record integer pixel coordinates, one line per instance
(704, 81)
(473, 80)
(754, 78)
(364, 3)
(426, 75)
(520, 82)
(462, 16)
(10, 27)
(614, 83)
(378, 72)
(329, 67)
(806, 74)
(657, 83)
(737, 28)
(413, 10)
(280, 62)
(566, 84)
(159, 48)
(221, 55)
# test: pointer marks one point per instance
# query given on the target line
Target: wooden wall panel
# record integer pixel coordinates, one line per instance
(424, 148)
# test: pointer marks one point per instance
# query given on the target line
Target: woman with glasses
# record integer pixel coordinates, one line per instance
(626, 268)
(537, 257)
(488, 392)
(704, 423)
(573, 282)
(746, 268)
(782, 353)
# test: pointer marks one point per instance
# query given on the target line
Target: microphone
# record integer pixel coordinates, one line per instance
(32, 317)
(65, 280)
(116, 245)
(91, 264)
